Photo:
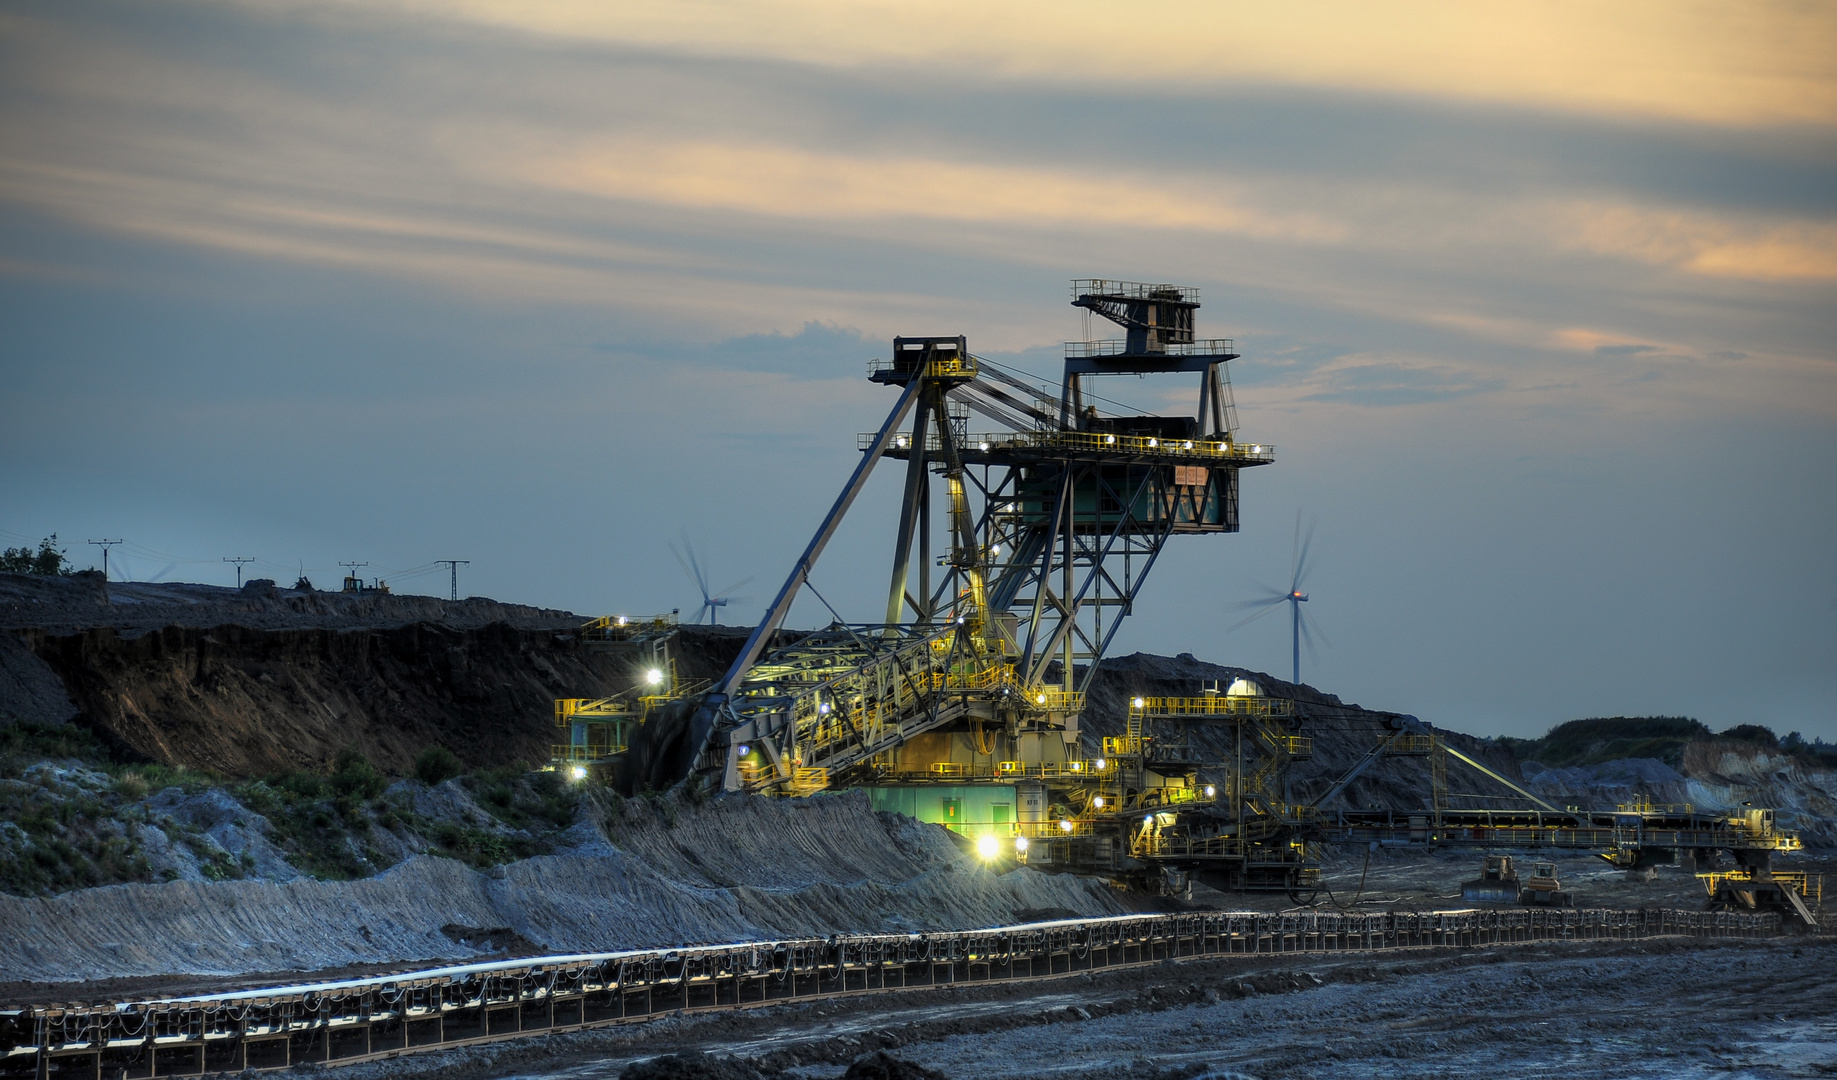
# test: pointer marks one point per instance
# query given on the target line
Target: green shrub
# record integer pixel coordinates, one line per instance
(48, 559)
(25, 742)
(437, 765)
(131, 786)
(1752, 733)
(300, 785)
(352, 774)
(1593, 741)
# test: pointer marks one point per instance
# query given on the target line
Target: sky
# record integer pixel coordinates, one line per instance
(1537, 302)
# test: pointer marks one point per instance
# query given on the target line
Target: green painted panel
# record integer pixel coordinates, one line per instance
(965, 808)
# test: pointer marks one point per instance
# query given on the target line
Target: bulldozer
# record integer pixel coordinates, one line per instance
(1499, 883)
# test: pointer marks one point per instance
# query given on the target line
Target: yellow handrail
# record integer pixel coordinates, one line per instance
(1092, 441)
(1212, 705)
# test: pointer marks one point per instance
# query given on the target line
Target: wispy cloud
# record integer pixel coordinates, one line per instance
(784, 181)
(1753, 247)
(1722, 62)
(615, 169)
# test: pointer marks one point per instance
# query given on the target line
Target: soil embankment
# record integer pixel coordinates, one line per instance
(249, 682)
(244, 702)
(644, 873)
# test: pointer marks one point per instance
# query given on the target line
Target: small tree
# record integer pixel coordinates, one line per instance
(352, 774)
(436, 765)
(48, 559)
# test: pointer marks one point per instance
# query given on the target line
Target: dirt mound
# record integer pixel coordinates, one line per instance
(881, 1065)
(691, 1067)
(658, 873)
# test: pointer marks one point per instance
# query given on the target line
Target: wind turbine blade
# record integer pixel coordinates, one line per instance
(735, 585)
(692, 567)
(684, 563)
(1266, 601)
(1241, 623)
(1309, 628)
(1294, 556)
(1301, 560)
(701, 576)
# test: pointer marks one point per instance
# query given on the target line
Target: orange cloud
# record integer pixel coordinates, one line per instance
(1714, 246)
(791, 182)
(1733, 61)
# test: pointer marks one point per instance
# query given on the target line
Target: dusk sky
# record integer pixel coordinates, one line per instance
(1537, 302)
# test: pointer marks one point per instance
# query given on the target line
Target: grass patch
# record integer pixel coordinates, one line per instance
(24, 743)
(55, 841)
(539, 800)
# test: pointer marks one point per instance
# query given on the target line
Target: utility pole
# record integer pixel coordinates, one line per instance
(105, 545)
(455, 564)
(238, 562)
(351, 572)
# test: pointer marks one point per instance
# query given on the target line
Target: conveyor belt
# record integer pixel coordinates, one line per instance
(351, 1020)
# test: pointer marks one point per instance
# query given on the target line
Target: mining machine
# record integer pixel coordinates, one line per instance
(1499, 883)
(597, 733)
(1021, 545)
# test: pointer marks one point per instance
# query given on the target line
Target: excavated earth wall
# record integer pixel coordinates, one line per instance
(653, 874)
(261, 680)
(245, 702)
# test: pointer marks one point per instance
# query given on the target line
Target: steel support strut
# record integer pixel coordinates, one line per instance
(702, 724)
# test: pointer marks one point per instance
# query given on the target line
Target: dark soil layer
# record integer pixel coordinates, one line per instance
(242, 702)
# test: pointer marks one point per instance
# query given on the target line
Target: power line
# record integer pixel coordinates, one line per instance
(455, 564)
(105, 545)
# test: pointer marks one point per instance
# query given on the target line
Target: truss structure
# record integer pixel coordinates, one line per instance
(1019, 551)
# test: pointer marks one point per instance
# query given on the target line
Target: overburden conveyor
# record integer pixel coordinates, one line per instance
(347, 1021)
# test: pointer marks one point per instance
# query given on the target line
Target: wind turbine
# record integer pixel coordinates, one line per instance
(693, 567)
(1301, 626)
